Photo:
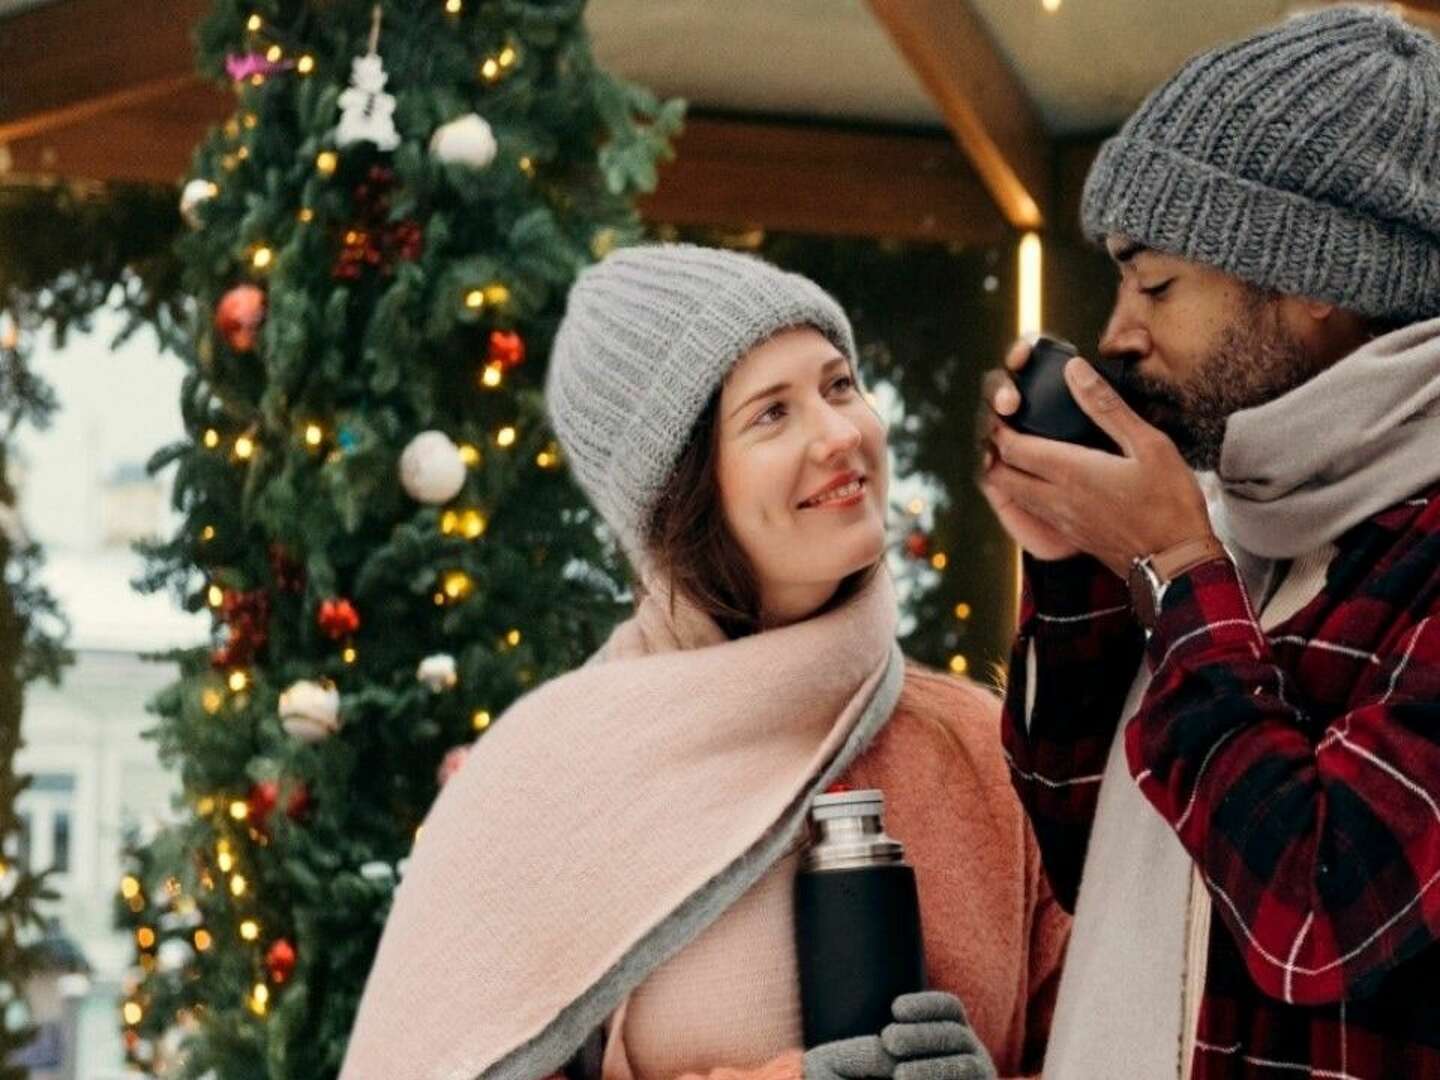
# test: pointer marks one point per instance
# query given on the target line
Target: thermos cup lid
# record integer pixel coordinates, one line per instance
(848, 804)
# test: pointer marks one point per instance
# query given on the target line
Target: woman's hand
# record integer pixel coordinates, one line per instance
(932, 1039)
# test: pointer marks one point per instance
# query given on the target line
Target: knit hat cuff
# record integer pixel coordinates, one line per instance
(1269, 237)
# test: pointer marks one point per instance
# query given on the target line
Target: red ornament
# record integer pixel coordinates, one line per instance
(262, 801)
(451, 763)
(917, 544)
(507, 349)
(289, 574)
(373, 241)
(247, 616)
(280, 960)
(338, 618)
(238, 316)
(264, 797)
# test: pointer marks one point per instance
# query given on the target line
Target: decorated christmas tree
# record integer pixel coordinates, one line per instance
(382, 236)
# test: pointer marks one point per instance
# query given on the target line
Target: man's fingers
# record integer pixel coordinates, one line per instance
(1018, 353)
(1104, 405)
(997, 390)
(928, 1005)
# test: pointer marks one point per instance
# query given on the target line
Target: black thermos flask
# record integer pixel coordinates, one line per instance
(857, 920)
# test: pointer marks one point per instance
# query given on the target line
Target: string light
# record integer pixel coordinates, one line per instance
(238, 681)
(326, 162)
(238, 885)
(205, 807)
(244, 448)
(452, 7)
(239, 811)
(207, 533)
(548, 458)
(262, 258)
(470, 454)
(959, 665)
(211, 438)
(527, 166)
(314, 435)
(939, 560)
(492, 376)
(129, 887)
(215, 596)
(259, 998)
(349, 655)
(490, 70)
(249, 930)
(480, 719)
(305, 65)
(251, 121)
(496, 294)
(512, 638)
(306, 215)
(145, 937)
(1050, 6)
(505, 437)
(211, 700)
(203, 940)
(133, 1013)
(470, 524)
(962, 610)
(224, 857)
(916, 507)
(457, 585)
(253, 24)
(274, 53)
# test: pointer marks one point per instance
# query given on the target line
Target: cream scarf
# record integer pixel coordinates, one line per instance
(611, 816)
(1294, 475)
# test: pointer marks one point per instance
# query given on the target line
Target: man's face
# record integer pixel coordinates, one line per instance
(1197, 345)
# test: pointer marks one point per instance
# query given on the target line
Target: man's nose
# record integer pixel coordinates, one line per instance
(1126, 336)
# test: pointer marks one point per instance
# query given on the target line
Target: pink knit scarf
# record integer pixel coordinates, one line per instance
(610, 816)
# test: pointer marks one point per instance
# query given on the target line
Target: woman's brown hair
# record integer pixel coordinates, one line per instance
(692, 546)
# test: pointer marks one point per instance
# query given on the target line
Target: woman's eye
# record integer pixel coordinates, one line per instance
(772, 414)
(844, 384)
(1157, 291)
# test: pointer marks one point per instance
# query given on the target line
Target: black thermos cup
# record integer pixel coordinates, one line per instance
(857, 920)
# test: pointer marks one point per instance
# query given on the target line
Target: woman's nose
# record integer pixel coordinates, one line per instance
(836, 434)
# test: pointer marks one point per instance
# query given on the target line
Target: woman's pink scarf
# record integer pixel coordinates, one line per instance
(609, 817)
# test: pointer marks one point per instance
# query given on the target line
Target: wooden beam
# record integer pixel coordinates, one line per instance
(815, 179)
(69, 62)
(982, 99)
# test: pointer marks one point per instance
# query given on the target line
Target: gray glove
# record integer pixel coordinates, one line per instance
(862, 1058)
(932, 1039)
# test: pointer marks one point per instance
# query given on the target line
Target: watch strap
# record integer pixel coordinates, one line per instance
(1186, 555)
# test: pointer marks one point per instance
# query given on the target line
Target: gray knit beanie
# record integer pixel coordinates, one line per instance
(649, 335)
(1304, 159)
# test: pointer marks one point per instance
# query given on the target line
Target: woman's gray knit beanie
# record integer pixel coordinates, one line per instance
(1304, 159)
(649, 334)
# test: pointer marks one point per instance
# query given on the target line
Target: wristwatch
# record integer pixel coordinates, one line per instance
(1151, 575)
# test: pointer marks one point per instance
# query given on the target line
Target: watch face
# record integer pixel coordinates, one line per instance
(1143, 587)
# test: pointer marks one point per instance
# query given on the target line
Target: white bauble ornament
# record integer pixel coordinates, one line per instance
(310, 711)
(174, 954)
(438, 671)
(466, 141)
(431, 468)
(367, 113)
(193, 196)
(377, 871)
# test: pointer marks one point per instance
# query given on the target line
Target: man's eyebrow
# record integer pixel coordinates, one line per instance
(1128, 252)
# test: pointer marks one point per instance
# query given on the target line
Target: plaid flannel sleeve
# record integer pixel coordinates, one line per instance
(1074, 658)
(1319, 837)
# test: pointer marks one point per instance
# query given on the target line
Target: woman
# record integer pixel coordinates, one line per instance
(619, 853)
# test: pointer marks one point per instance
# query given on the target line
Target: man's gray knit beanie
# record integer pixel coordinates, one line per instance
(649, 334)
(1304, 159)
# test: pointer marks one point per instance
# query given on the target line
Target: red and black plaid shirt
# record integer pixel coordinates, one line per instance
(1300, 767)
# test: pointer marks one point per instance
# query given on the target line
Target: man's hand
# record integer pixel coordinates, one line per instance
(999, 399)
(1057, 499)
(862, 1058)
(932, 1039)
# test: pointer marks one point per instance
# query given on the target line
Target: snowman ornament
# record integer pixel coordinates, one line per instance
(367, 113)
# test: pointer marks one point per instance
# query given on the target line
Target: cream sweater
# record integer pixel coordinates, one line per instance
(728, 1004)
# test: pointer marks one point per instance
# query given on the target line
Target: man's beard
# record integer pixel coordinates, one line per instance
(1256, 361)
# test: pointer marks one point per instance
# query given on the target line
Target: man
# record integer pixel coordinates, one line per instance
(1239, 745)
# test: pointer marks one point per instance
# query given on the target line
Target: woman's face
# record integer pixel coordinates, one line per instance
(801, 468)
